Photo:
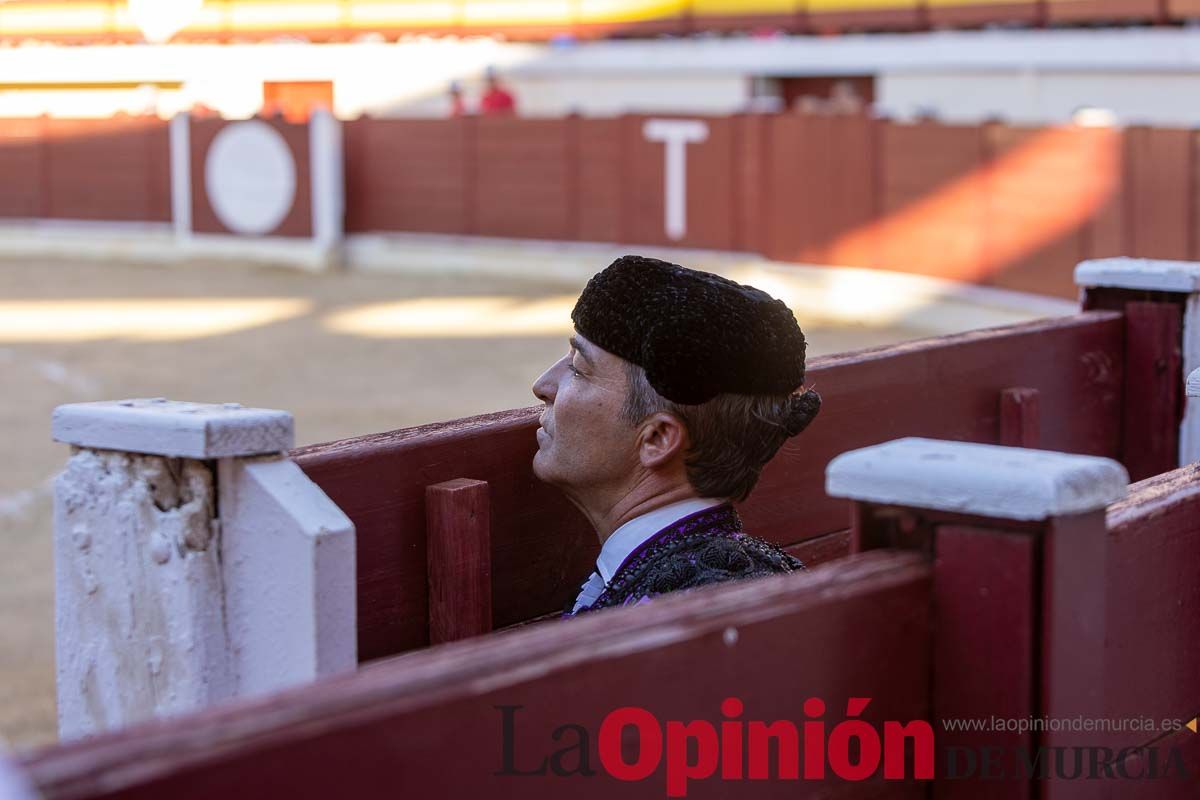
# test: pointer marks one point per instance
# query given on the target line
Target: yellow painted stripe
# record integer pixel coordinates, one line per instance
(844, 6)
(743, 8)
(518, 12)
(960, 3)
(617, 11)
(62, 18)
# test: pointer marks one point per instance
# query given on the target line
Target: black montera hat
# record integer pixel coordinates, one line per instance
(696, 334)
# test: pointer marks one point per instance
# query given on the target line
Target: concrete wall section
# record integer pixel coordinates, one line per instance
(1023, 96)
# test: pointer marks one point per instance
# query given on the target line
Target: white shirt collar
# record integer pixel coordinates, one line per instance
(632, 534)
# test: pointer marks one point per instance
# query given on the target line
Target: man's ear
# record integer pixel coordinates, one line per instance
(662, 438)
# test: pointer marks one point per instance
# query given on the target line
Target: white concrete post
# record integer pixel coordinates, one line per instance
(328, 184)
(1019, 553)
(193, 562)
(981, 480)
(1181, 277)
(14, 785)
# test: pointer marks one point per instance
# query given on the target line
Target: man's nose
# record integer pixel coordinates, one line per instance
(546, 387)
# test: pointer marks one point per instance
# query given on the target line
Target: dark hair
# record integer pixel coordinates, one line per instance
(733, 436)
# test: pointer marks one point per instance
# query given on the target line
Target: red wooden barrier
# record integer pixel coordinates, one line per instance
(752, 177)
(822, 185)
(522, 185)
(602, 164)
(108, 169)
(1082, 620)
(1006, 206)
(918, 161)
(542, 547)
(22, 162)
(1016, 206)
(1153, 405)
(1151, 597)
(1160, 192)
(407, 175)
(431, 723)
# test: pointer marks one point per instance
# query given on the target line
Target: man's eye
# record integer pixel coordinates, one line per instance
(572, 368)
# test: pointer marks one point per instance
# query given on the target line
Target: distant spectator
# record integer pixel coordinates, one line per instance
(845, 99)
(496, 101)
(458, 105)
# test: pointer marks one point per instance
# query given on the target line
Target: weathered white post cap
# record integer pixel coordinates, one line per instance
(979, 479)
(1193, 384)
(13, 783)
(162, 427)
(1139, 273)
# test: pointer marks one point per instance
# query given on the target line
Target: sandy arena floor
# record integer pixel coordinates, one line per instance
(345, 353)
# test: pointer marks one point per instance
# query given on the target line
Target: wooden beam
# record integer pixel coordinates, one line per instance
(1020, 419)
(459, 548)
(431, 722)
(1153, 388)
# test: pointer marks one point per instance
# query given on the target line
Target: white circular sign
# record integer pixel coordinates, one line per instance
(250, 177)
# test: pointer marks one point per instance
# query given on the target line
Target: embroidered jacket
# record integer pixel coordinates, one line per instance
(703, 548)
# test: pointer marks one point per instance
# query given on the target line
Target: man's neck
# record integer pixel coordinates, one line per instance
(634, 505)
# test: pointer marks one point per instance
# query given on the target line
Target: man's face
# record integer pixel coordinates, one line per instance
(583, 442)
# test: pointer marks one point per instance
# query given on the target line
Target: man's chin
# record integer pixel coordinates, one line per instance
(539, 466)
(543, 468)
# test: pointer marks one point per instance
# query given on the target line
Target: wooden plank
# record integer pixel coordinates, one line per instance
(105, 169)
(822, 549)
(822, 192)
(1152, 407)
(1075, 558)
(1020, 421)
(600, 166)
(458, 538)
(22, 164)
(1029, 170)
(528, 159)
(1152, 604)
(406, 175)
(985, 645)
(923, 164)
(430, 723)
(876, 395)
(542, 547)
(1159, 175)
